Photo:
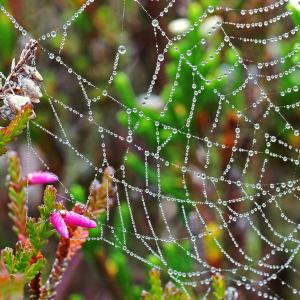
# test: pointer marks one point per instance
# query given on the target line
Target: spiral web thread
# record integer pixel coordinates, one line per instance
(246, 272)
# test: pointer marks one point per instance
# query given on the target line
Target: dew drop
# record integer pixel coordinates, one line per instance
(155, 23)
(129, 139)
(210, 9)
(161, 57)
(122, 49)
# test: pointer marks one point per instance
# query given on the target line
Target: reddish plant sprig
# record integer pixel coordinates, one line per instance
(100, 193)
(16, 192)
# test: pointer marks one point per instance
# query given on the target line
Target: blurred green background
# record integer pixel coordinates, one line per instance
(105, 272)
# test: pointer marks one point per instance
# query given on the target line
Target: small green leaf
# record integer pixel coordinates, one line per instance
(78, 192)
(125, 90)
(34, 269)
(39, 231)
(155, 283)
(9, 259)
(48, 202)
(15, 127)
(218, 286)
(22, 258)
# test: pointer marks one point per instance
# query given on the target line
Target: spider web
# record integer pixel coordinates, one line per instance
(238, 197)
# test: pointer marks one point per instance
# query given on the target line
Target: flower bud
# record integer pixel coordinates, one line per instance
(59, 224)
(41, 177)
(72, 218)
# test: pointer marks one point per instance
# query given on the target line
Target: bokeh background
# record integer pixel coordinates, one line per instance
(101, 271)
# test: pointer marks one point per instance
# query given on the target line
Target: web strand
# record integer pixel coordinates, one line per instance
(150, 194)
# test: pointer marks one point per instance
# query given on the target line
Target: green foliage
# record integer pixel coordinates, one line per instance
(75, 297)
(20, 262)
(15, 127)
(171, 253)
(27, 262)
(48, 202)
(155, 284)
(218, 286)
(124, 88)
(78, 193)
(7, 39)
(182, 95)
(156, 292)
(115, 257)
(40, 230)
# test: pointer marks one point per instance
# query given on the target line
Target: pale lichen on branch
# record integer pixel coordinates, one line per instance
(23, 85)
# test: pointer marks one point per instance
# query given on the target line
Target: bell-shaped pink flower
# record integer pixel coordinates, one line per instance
(60, 220)
(75, 219)
(59, 224)
(40, 177)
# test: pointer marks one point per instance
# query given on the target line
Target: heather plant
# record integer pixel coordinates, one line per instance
(24, 265)
(155, 134)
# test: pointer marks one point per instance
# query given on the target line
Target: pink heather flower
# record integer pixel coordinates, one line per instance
(72, 218)
(59, 224)
(60, 219)
(40, 177)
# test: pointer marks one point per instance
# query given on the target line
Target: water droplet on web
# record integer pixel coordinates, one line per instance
(53, 33)
(155, 23)
(210, 9)
(104, 93)
(129, 139)
(161, 57)
(189, 52)
(122, 49)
